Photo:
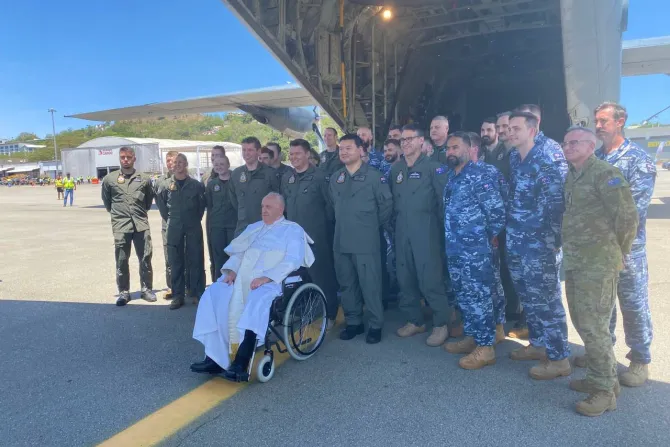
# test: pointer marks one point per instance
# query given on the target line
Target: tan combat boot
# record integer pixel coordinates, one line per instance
(529, 352)
(582, 386)
(500, 333)
(596, 404)
(482, 356)
(438, 336)
(579, 361)
(637, 375)
(551, 369)
(465, 346)
(410, 329)
(519, 333)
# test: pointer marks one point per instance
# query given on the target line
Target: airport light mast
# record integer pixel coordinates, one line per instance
(53, 127)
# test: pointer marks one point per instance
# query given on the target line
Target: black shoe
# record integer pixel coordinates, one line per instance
(123, 299)
(236, 373)
(176, 303)
(374, 336)
(351, 331)
(207, 366)
(148, 295)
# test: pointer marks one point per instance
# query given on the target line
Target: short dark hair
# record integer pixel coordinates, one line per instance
(127, 149)
(532, 108)
(333, 129)
(252, 140)
(276, 145)
(531, 119)
(476, 141)
(465, 136)
(393, 141)
(413, 127)
(219, 148)
(352, 137)
(490, 120)
(505, 113)
(299, 142)
(395, 127)
(267, 150)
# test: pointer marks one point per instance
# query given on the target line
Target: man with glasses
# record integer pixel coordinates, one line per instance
(599, 226)
(417, 183)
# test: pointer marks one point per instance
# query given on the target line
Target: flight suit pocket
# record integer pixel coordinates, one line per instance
(139, 195)
(607, 295)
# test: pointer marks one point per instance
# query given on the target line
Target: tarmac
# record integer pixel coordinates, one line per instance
(77, 370)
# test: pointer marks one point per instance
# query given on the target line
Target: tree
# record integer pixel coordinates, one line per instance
(26, 136)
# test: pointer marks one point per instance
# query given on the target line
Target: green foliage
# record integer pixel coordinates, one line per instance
(232, 127)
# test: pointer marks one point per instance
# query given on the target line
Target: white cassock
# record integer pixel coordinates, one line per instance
(225, 312)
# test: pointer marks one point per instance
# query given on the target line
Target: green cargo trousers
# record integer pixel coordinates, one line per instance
(360, 279)
(142, 242)
(591, 298)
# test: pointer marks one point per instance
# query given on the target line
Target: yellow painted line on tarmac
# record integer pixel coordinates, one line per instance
(176, 415)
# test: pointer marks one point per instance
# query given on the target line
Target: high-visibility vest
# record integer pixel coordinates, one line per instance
(68, 183)
(59, 183)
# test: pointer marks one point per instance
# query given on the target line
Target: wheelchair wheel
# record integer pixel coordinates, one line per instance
(305, 321)
(265, 369)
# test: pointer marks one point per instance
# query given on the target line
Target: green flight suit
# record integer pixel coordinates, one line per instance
(309, 205)
(439, 154)
(247, 189)
(362, 204)
(599, 226)
(221, 221)
(207, 176)
(499, 157)
(417, 201)
(330, 162)
(128, 199)
(163, 181)
(185, 205)
(281, 170)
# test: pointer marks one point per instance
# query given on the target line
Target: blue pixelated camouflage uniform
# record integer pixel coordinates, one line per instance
(474, 215)
(534, 216)
(497, 292)
(639, 170)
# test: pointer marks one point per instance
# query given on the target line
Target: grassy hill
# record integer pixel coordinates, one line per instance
(232, 127)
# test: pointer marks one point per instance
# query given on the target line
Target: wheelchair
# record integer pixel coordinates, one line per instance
(297, 321)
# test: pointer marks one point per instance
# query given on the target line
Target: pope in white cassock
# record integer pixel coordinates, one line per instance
(234, 311)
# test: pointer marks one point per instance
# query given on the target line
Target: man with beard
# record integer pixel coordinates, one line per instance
(640, 172)
(391, 151)
(474, 216)
(439, 132)
(330, 158)
(417, 184)
(127, 196)
(489, 135)
(395, 132)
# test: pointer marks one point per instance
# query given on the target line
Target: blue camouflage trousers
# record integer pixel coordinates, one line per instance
(472, 283)
(535, 277)
(497, 291)
(634, 302)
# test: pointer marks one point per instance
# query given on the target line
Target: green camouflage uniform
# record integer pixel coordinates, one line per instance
(599, 226)
(128, 198)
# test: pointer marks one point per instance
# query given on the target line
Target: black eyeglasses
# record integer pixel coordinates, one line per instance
(573, 143)
(408, 139)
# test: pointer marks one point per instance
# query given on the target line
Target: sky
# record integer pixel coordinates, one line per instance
(86, 55)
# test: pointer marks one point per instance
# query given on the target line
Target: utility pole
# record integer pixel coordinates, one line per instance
(53, 127)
